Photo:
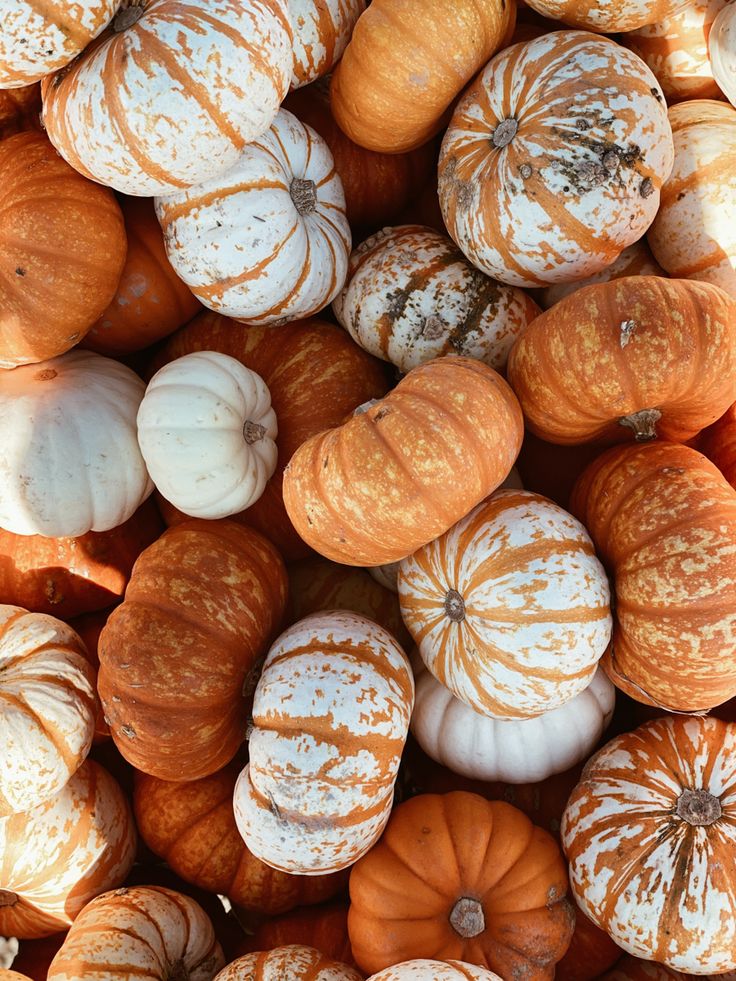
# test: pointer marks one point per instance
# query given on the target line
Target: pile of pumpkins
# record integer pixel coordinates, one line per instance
(367, 490)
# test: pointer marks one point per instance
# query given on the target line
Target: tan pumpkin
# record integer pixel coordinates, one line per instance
(607, 18)
(722, 51)
(292, 963)
(322, 29)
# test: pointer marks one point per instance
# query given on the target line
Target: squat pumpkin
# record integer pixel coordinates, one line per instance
(428, 970)
(292, 963)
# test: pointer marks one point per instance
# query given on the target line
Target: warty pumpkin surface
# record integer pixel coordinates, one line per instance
(291, 963)
(322, 29)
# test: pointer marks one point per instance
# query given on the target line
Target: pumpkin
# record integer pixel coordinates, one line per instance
(387, 575)
(145, 932)
(200, 608)
(212, 74)
(47, 707)
(655, 357)
(428, 970)
(377, 186)
(70, 576)
(322, 29)
(722, 51)
(71, 462)
(591, 952)
(13, 976)
(192, 827)
(401, 472)
(151, 301)
(330, 718)
(207, 432)
(293, 963)
(395, 82)
(324, 927)
(653, 816)
(267, 241)
(36, 39)
(412, 296)
(692, 235)
(61, 254)
(19, 109)
(509, 609)
(662, 520)
(718, 443)
(456, 877)
(554, 158)
(62, 853)
(636, 260)
(89, 627)
(316, 375)
(606, 18)
(521, 751)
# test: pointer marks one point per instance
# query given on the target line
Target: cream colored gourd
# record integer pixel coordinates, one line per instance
(48, 704)
(70, 461)
(267, 241)
(292, 962)
(722, 50)
(322, 29)
(515, 751)
(429, 970)
(206, 430)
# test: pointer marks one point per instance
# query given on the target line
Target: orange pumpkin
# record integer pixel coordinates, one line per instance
(323, 927)
(19, 109)
(591, 952)
(61, 253)
(200, 608)
(637, 260)
(718, 443)
(403, 471)
(663, 521)
(457, 877)
(394, 84)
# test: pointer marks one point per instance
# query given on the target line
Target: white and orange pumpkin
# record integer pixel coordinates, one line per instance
(607, 18)
(431, 970)
(293, 962)
(322, 29)
(722, 51)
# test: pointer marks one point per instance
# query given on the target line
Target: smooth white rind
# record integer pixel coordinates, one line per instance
(722, 50)
(431, 970)
(291, 962)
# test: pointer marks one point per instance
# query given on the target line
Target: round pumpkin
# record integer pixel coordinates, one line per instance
(509, 608)
(718, 443)
(554, 158)
(692, 235)
(61, 253)
(722, 51)
(606, 18)
(150, 301)
(292, 963)
(429, 970)
(212, 75)
(207, 432)
(71, 462)
(591, 952)
(406, 62)
(649, 832)
(412, 296)
(201, 606)
(330, 718)
(322, 29)
(324, 927)
(401, 472)
(663, 520)
(145, 932)
(192, 827)
(267, 241)
(59, 855)
(461, 878)
(19, 110)
(654, 357)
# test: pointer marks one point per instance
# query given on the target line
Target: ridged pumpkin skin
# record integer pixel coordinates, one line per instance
(145, 933)
(426, 970)
(609, 18)
(322, 29)
(722, 51)
(316, 376)
(394, 83)
(292, 963)
(61, 254)
(654, 816)
(591, 952)
(718, 443)
(554, 158)
(330, 719)
(324, 927)
(653, 356)
(400, 473)
(692, 235)
(663, 520)
(466, 879)
(201, 607)
(192, 827)
(62, 853)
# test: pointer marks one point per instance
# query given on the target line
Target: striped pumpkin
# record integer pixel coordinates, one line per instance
(411, 295)
(330, 718)
(722, 51)
(144, 933)
(211, 74)
(59, 855)
(322, 29)
(510, 607)
(429, 970)
(48, 705)
(554, 158)
(267, 241)
(38, 37)
(291, 963)
(693, 236)
(650, 833)
(606, 18)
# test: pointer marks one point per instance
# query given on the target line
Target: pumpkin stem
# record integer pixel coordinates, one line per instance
(467, 918)
(178, 972)
(455, 606)
(643, 424)
(253, 431)
(698, 807)
(7, 898)
(504, 133)
(304, 195)
(361, 409)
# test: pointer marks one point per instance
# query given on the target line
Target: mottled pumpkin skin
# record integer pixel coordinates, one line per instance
(316, 375)
(663, 520)
(290, 963)
(200, 608)
(609, 18)
(324, 927)
(718, 443)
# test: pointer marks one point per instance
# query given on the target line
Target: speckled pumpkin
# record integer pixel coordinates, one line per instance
(292, 963)
(430, 970)
(608, 18)
(322, 29)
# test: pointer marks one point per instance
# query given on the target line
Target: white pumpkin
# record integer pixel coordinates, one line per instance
(322, 29)
(292, 962)
(173, 93)
(267, 241)
(206, 430)
(70, 462)
(514, 751)
(722, 50)
(429, 970)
